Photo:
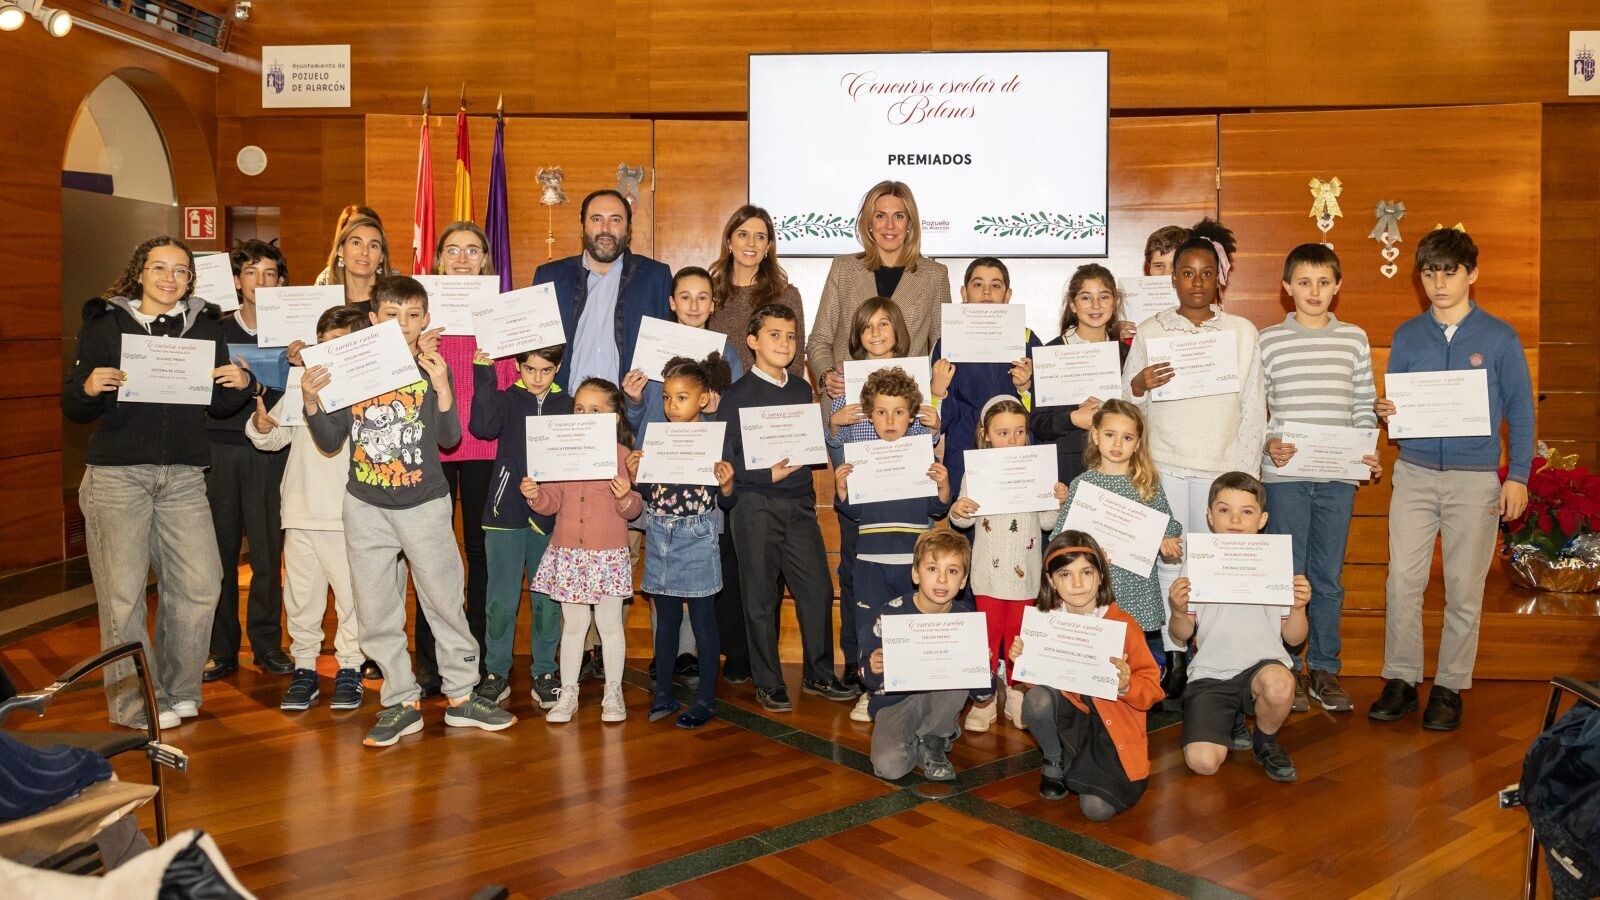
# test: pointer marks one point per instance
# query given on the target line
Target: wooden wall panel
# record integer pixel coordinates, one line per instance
(1476, 165)
(701, 178)
(57, 75)
(652, 56)
(588, 150)
(314, 168)
(1569, 279)
(29, 426)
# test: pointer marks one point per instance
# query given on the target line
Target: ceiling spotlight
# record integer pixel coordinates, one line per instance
(56, 21)
(241, 10)
(11, 17)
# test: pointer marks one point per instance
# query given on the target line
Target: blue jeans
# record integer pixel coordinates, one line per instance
(1316, 516)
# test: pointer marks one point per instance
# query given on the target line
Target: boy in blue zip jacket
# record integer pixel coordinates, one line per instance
(515, 538)
(915, 729)
(1451, 484)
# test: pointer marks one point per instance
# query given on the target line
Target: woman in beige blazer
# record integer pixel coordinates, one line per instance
(890, 265)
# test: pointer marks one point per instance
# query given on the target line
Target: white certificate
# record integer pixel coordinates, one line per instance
(1069, 652)
(1069, 374)
(1254, 569)
(1012, 479)
(517, 321)
(166, 370)
(660, 340)
(1147, 295)
(1203, 365)
(288, 314)
(572, 448)
(681, 452)
(213, 281)
(890, 470)
(363, 364)
(451, 299)
(1127, 530)
(291, 409)
(856, 371)
(1438, 404)
(935, 652)
(771, 434)
(1326, 451)
(983, 332)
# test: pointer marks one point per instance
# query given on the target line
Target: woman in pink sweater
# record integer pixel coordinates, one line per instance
(587, 569)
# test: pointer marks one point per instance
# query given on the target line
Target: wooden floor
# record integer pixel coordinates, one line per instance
(784, 805)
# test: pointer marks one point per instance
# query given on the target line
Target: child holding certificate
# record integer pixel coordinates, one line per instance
(775, 520)
(1094, 747)
(1240, 667)
(1193, 440)
(514, 539)
(586, 568)
(915, 729)
(1118, 460)
(1450, 484)
(1317, 371)
(959, 392)
(396, 501)
(314, 556)
(1008, 549)
(888, 529)
(877, 332)
(682, 563)
(1088, 316)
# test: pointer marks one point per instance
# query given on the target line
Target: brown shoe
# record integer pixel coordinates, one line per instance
(1325, 690)
(1301, 701)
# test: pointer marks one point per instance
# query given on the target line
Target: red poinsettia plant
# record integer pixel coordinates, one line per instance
(1563, 503)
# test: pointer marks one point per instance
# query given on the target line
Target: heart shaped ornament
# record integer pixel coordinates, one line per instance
(1388, 270)
(1325, 224)
(1390, 253)
(1389, 240)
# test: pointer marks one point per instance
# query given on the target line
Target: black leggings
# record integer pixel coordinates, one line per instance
(703, 619)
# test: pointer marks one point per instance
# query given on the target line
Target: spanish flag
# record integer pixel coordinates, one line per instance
(422, 208)
(463, 207)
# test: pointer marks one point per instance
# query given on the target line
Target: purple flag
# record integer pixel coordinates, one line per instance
(497, 223)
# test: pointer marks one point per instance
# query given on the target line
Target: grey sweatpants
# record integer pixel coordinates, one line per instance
(373, 537)
(898, 730)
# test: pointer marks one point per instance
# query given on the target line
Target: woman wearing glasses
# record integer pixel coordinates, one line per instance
(144, 493)
(463, 249)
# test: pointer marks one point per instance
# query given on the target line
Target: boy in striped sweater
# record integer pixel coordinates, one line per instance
(1317, 371)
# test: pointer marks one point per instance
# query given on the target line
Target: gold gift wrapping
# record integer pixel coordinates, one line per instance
(1529, 568)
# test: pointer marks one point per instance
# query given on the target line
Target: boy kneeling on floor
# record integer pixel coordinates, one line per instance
(914, 730)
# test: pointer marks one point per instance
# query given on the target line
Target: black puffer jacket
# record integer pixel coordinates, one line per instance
(135, 434)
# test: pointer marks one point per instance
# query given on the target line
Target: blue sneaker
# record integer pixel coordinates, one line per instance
(347, 690)
(302, 691)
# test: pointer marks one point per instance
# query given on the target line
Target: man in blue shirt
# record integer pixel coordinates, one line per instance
(603, 293)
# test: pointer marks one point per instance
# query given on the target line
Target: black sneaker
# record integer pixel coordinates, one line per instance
(934, 762)
(370, 671)
(302, 691)
(593, 666)
(851, 677)
(546, 689)
(687, 669)
(776, 700)
(347, 690)
(1052, 787)
(1276, 761)
(1397, 699)
(493, 688)
(831, 689)
(1444, 710)
(1302, 699)
(275, 662)
(1241, 734)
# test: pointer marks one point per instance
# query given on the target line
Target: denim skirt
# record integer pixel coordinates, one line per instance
(681, 558)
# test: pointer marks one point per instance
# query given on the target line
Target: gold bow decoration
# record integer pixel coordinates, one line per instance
(1325, 198)
(1554, 459)
(1456, 227)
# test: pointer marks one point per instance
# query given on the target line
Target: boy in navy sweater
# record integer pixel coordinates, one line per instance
(914, 730)
(1451, 484)
(774, 522)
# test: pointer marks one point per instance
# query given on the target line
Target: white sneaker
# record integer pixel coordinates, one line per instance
(981, 717)
(612, 707)
(186, 709)
(860, 713)
(566, 704)
(1014, 695)
(168, 718)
